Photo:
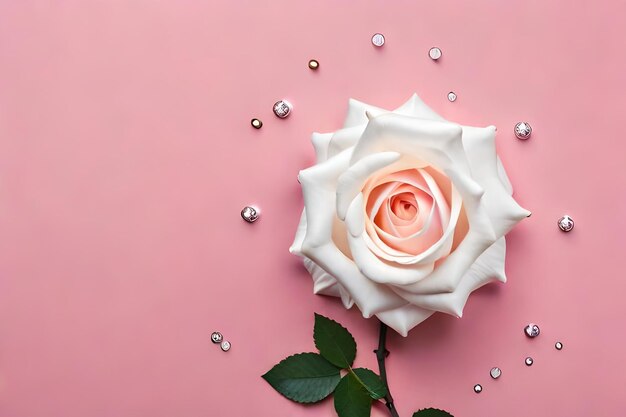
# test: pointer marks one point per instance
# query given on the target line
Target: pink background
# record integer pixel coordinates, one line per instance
(126, 154)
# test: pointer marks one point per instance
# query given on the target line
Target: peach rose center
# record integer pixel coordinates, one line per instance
(407, 211)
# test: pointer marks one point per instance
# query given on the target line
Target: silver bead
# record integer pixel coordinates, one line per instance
(249, 214)
(495, 372)
(558, 345)
(314, 64)
(434, 53)
(378, 39)
(532, 330)
(566, 223)
(282, 108)
(478, 388)
(452, 96)
(216, 337)
(523, 130)
(256, 123)
(528, 361)
(225, 345)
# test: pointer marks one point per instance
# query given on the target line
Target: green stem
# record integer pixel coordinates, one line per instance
(381, 354)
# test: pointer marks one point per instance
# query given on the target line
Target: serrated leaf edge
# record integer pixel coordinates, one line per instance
(347, 331)
(323, 376)
(431, 408)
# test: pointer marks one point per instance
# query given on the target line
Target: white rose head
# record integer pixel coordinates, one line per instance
(405, 213)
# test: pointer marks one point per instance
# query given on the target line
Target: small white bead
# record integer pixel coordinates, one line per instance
(378, 39)
(434, 53)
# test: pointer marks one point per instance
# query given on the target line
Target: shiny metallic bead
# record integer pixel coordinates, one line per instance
(225, 345)
(452, 96)
(378, 39)
(532, 330)
(528, 361)
(558, 345)
(434, 53)
(256, 123)
(566, 223)
(282, 108)
(523, 130)
(249, 214)
(313, 64)
(495, 372)
(478, 388)
(216, 337)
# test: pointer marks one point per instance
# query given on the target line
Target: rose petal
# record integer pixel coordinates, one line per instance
(439, 143)
(411, 238)
(436, 251)
(325, 284)
(380, 248)
(371, 298)
(403, 319)
(356, 113)
(417, 108)
(382, 242)
(321, 141)
(503, 210)
(385, 273)
(506, 182)
(384, 236)
(344, 139)
(448, 274)
(318, 185)
(296, 246)
(488, 267)
(351, 182)
(367, 263)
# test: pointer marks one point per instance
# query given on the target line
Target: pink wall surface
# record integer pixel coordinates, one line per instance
(126, 154)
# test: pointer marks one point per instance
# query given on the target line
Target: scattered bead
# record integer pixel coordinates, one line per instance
(249, 214)
(282, 108)
(495, 372)
(528, 361)
(256, 123)
(434, 53)
(478, 388)
(378, 39)
(225, 345)
(523, 130)
(532, 330)
(313, 64)
(566, 223)
(216, 337)
(452, 96)
(558, 345)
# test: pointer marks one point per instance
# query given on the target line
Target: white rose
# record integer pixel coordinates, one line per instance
(405, 213)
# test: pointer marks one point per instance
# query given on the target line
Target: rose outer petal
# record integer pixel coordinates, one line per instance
(488, 267)
(403, 319)
(326, 284)
(318, 185)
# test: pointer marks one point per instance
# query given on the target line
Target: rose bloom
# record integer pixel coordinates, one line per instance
(404, 213)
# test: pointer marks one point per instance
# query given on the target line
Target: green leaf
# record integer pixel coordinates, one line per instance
(372, 382)
(304, 378)
(351, 398)
(432, 412)
(334, 342)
